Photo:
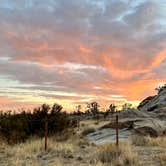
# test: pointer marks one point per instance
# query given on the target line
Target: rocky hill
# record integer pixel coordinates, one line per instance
(149, 119)
(155, 103)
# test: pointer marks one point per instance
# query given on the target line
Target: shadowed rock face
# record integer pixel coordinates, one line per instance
(154, 103)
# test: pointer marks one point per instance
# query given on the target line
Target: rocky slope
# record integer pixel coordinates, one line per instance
(149, 119)
(154, 103)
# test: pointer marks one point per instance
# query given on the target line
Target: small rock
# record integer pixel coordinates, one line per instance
(92, 161)
(28, 158)
(70, 156)
(39, 156)
(83, 146)
(79, 158)
(93, 144)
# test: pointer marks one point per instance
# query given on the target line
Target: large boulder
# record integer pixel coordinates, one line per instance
(149, 119)
(125, 123)
(154, 103)
(150, 126)
(161, 113)
(144, 126)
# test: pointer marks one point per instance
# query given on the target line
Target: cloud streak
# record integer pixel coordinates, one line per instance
(83, 47)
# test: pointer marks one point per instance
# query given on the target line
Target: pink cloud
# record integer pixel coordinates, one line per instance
(77, 46)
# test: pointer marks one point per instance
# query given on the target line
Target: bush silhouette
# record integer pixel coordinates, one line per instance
(15, 128)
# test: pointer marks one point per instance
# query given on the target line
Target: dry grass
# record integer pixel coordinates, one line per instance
(87, 131)
(64, 151)
(117, 156)
(149, 141)
(92, 124)
(2, 143)
(32, 151)
(161, 157)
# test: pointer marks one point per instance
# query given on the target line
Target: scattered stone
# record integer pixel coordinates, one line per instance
(93, 144)
(79, 158)
(70, 156)
(83, 146)
(39, 156)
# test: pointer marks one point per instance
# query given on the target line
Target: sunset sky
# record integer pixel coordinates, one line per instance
(76, 51)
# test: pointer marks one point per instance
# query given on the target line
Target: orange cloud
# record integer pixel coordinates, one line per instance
(140, 89)
(159, 58)
(80, 48)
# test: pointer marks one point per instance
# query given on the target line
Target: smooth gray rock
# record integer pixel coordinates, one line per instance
(150, 126)
(154, 103)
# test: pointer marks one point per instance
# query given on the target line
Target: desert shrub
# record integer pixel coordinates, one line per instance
(117, 156)
(88, 131)
(15, 128)
(149, 141)
(162, 158)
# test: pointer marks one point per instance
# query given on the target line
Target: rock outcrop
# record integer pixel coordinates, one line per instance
(144, 126)
(148, 119)
(154, 103)
(150, 126)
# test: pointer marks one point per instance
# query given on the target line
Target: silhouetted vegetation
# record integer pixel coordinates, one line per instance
(127, 106)
(93, 108)
(111, 109)
(161, 88)
(18, 127)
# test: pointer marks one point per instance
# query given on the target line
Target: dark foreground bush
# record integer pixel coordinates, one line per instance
(15, 128)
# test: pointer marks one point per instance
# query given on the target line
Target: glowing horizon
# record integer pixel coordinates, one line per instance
(74, 52)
